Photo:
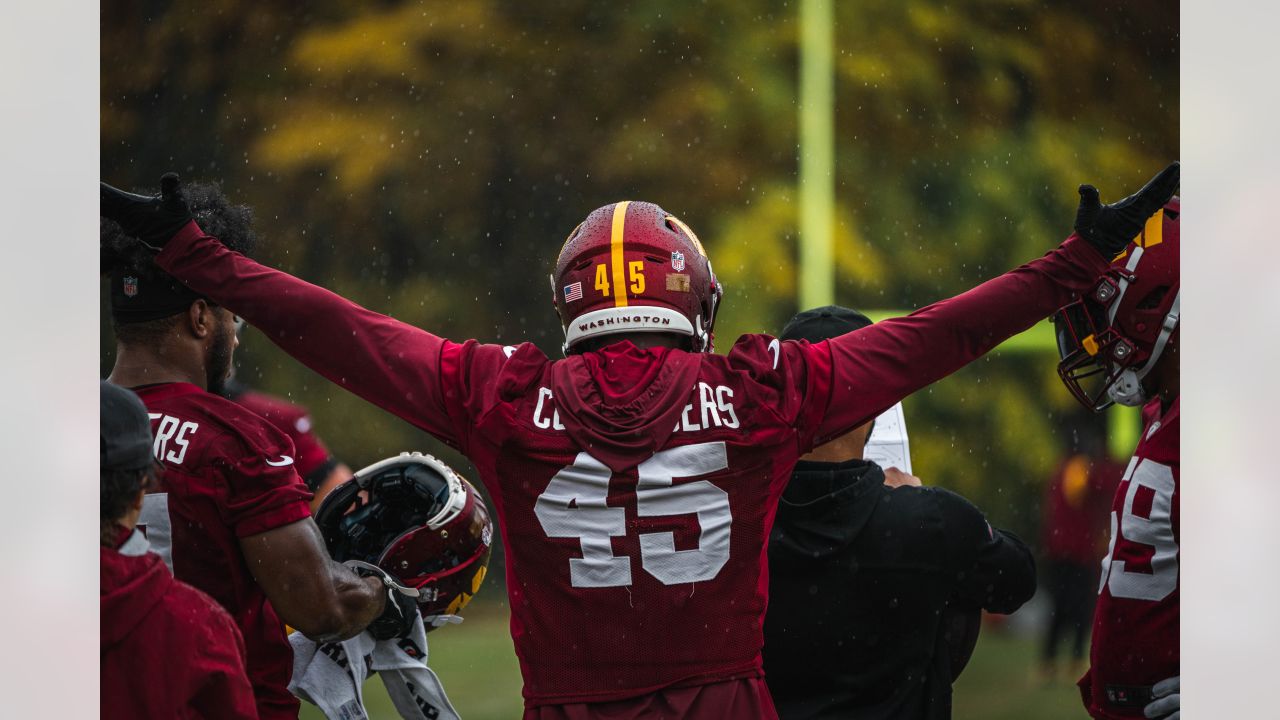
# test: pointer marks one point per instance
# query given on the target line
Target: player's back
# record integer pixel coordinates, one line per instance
(228, 474)
(636, 489)
(1136, 626)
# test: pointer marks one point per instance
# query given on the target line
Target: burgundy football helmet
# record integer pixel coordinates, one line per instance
(1110, 339)
(418, 520)
(634, 267)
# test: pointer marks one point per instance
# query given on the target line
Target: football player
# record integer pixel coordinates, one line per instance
(231, 515)
(147, 617)
(1119, 343)
(636, 479)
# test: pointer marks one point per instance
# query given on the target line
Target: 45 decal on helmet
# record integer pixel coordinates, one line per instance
(647, 271)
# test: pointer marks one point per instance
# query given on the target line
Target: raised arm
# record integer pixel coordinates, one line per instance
(389, 363)
(875, 367)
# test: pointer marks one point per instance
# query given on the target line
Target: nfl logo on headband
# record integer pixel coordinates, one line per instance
(677, 260)
(130, 286)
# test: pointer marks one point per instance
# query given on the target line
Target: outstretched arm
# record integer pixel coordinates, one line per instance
(875, 367)
(389, 363)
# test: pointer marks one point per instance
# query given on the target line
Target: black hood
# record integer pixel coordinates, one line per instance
(825, 507)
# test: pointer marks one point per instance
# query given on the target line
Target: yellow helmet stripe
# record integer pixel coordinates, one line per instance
(1153, 233)
(689, 231)
(615, 254)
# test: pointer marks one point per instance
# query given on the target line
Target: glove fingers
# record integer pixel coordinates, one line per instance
(171, 192)
(1088, 195)
(1167, 686)
(169, 183)
(1087, 212)
(1162, 707)
(115, 203)
(1157, 191)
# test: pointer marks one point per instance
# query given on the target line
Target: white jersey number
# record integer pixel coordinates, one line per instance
(1155, 531)
(574, 505)
(155, 524)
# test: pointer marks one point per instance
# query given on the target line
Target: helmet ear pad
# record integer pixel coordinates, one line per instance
(336, 505)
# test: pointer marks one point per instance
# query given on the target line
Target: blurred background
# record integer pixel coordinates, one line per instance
(427, 159)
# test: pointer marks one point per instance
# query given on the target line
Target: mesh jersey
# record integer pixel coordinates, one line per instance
(1135, 623)
(642, 570)
(634, 488)
(225, 477)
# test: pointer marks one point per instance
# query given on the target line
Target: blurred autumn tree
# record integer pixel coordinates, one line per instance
(427, 159)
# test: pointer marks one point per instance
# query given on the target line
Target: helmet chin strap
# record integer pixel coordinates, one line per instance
(1134, 257)
(1128, 390)
(700, 333)
(386, 577)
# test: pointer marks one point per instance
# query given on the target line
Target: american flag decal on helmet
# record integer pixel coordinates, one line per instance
(573, 292)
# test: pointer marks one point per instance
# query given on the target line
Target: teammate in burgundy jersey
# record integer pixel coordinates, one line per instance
(147, 617)
(1120, 343)
(636, 480)
(319, 469)
(231, 515)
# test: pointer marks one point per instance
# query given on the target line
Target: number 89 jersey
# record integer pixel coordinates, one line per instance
(635, 490)
(1135, 623)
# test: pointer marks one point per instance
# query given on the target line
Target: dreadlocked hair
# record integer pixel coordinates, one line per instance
(121, 253)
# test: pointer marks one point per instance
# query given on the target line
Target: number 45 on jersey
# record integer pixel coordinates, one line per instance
(574, 506)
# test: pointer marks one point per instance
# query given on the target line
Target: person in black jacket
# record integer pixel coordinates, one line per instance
(875, 591)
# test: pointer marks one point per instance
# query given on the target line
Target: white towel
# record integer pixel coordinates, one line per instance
(331, 675)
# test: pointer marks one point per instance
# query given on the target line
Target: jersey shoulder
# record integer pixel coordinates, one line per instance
(792, 377)
(757, 354)
(485, 373)
(784, 365)
(225, 429)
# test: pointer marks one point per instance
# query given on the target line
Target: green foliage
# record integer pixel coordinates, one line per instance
(427, 160)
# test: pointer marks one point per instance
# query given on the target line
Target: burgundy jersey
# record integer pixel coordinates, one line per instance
(292, 420)
(1135, 623)
(635, 489)
(228, 474)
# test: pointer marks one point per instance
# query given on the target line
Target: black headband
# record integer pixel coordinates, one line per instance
(137, 299)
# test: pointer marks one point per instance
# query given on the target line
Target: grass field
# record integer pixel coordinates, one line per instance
(478, 667)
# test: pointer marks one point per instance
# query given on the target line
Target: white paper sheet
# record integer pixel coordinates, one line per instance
(887, 446)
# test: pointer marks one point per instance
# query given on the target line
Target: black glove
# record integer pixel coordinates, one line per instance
(1109, 228)
(397, 618)
(151, 219)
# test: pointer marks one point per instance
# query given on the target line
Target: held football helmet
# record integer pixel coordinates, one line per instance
(634, 267)
(420, 522)
(1110, 339)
